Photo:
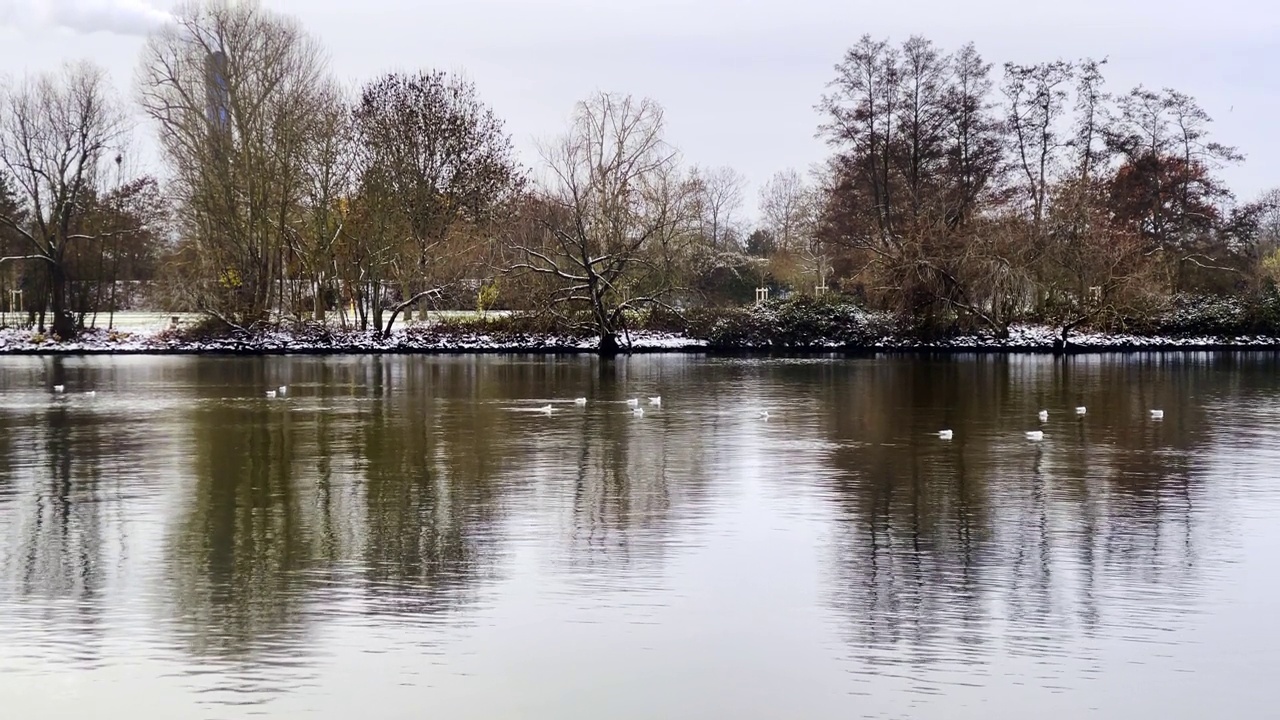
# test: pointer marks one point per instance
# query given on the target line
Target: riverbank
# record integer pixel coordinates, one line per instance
(445, 340)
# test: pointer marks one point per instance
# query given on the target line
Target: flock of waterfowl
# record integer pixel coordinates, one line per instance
(1043, 415)
(638, 411)
(1033, 436)
(633, 403)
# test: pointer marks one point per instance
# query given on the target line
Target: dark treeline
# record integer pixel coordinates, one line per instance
(959, 193)
(957, 196)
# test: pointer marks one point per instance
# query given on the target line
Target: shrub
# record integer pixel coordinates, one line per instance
(802, 321)
(486, 298)
(516, 326)
(1218, 316)
(206, 328)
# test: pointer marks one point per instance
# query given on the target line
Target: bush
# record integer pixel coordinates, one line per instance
(662, 319)
(486, 298)
(1217, 316)
(799, 322)
(512, 327)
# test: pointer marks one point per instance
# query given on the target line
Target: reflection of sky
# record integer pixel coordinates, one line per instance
(697, 561)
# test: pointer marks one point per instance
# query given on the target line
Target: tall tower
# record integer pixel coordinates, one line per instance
(217, 92)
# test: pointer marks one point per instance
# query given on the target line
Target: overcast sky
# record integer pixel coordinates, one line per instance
(738, 78)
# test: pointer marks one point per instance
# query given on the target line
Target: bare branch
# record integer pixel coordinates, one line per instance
(15, 258)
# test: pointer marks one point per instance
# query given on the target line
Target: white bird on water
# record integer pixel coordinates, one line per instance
(271, 393)
(1044, 416)
(59, 388)
(91, 393)
(764, 415)
(633, 402)
(283, 390)
(545, 409)
(638, 412)
(945, 434)
(1157, 414)
(580, 402)
(1081, 410)
(656, 401)
(1035, 435)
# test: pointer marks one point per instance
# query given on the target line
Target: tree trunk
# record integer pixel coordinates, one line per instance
(318, 298)
(375, 300)
(64, 325)
(608, 345)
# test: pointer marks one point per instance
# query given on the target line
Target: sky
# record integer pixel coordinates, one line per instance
(738, 78)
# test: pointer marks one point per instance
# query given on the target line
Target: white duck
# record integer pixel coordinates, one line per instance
(1157, 414)
(945, 434)
(59, 388)
(633, 402)
(1081, 410)
(580, 402)
(638, 412)
(655, 401)
(271, 393)
(1035, 435)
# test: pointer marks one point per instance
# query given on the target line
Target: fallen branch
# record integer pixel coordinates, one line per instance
(398, 308)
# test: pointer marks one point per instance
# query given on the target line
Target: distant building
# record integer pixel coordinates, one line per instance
(217, 90)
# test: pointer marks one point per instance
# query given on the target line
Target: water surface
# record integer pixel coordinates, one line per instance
(404, 535)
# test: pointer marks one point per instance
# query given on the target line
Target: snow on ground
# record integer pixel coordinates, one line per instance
(159, 341)
(152, 338)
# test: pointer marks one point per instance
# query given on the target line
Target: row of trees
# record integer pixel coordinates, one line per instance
(952, 195)
(67, 215)
(956, 194)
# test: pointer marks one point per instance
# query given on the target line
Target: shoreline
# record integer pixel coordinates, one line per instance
(1028, 341)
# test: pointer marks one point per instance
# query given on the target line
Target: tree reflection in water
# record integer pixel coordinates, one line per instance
(953, 553)
(399, 502)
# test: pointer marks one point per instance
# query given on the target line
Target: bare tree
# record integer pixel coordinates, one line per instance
(129, 221)
(447, 167)
(862, 111)
(789, 210)
(234, 90)
(1165, 187)
(1091, 125)
(1269, 222)
(974, 142)
(1093, 265)
(57, 131)
(329, 170)
(719, 197)
(922, 122)
(613, 199)
(368, 245)
(13, 282)
(1036, 96)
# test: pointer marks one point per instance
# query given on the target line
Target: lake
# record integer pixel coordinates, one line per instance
(410, 536)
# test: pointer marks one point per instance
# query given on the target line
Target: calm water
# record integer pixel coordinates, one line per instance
(407, 536)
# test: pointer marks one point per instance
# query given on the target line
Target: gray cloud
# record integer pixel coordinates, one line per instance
(119, 17)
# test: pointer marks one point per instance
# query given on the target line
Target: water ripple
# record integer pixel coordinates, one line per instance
(401, 530)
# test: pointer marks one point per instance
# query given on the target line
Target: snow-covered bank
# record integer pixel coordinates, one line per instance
(1026, 338)
(281, 342)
